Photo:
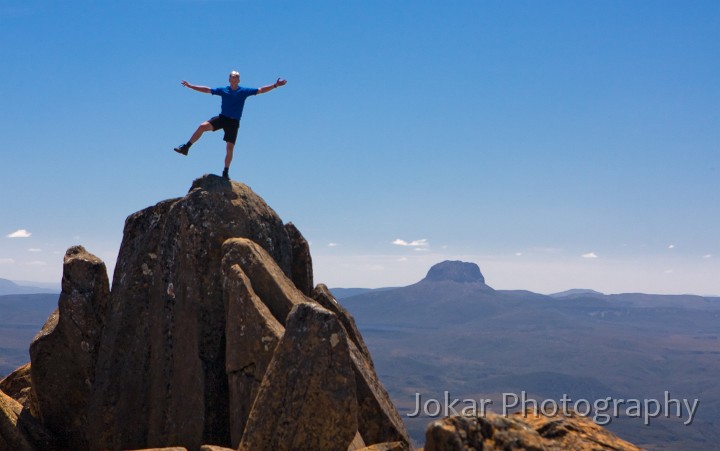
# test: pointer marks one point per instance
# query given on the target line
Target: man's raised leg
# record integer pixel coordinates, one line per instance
(202, 128)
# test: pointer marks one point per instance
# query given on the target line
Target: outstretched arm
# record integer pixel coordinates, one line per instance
(268, 88)
(204, 89)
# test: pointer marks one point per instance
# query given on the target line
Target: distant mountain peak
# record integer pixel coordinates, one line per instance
(576, 292)
(7, 283)
(455, 271)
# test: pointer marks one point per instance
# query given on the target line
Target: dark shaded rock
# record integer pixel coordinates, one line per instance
(269, 282)
(307, 398)
(20, 431)
(118, 420)
(302, 269)
(11, 436)
(377, 416)
(357, 442)
(322, 295)
(456, 271)
(64, 353)
(165, 337)
(252, 335)
(18, 386)
(389, 446)
(521, 431)
(214, 448)
(170, 448)
(378, 420)
(190, 350)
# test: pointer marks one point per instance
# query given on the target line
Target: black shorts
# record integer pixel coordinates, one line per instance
(228, 124)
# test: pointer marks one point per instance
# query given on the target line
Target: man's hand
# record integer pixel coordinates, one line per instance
(268, 88)
(203, 89)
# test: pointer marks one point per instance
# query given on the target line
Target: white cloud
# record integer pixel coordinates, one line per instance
(32, 249)
(6, 261)
(669, 271)
(416, 243)
(672, 246)
(36, 263)
(707, 256)
(518, 254)
(22, 233)
(332, 245)
(590, 255)
(402, 259)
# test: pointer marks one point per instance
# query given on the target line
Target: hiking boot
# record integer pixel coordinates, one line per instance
(182, 148)
(225, 174)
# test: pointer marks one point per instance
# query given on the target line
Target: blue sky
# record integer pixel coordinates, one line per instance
(557, 144)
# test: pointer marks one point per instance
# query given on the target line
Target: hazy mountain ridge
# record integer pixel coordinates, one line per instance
(471, 340)
(10, 287)
(342, 293)
(23, 315)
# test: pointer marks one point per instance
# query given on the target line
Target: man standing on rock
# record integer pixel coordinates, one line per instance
(233, 102)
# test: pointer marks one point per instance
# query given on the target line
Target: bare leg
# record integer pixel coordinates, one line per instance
(204, 127)
(229, 153)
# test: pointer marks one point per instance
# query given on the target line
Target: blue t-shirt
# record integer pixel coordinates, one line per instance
(233, 102)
